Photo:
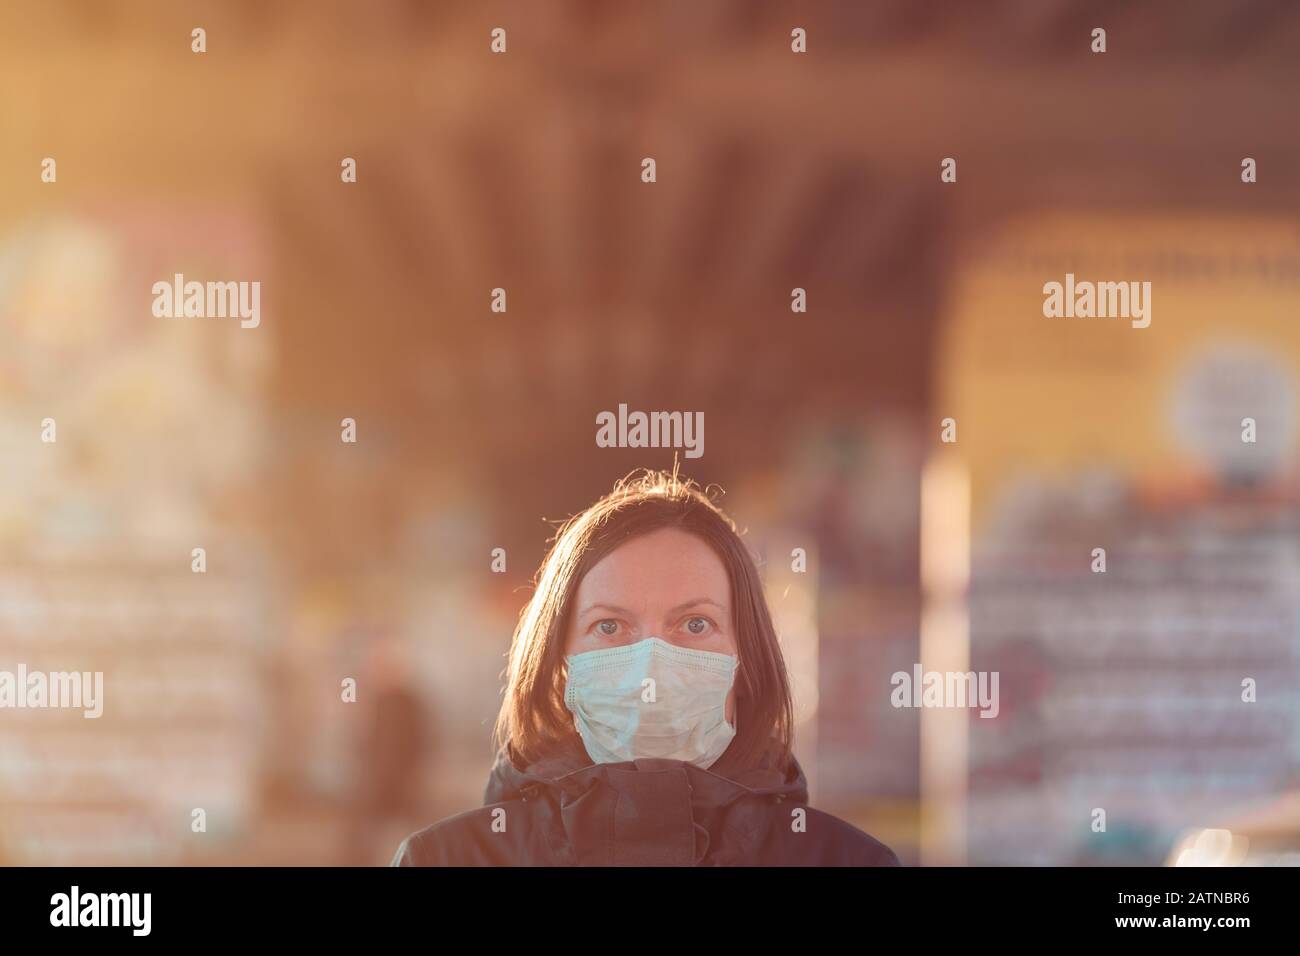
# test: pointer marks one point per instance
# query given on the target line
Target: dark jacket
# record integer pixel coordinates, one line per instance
(647, 812)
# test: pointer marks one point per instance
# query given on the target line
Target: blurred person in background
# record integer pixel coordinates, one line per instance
(392, 750)
(647, 718)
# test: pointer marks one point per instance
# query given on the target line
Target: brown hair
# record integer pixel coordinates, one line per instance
(533, 718)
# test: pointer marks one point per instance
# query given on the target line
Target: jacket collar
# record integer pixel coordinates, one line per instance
(572, 773)
(645, 812)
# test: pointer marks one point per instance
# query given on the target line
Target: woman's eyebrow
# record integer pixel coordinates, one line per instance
(614, 608)
(696, 603)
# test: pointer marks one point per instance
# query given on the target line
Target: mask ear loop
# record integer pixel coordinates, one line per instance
(734, 723)
(562, 685)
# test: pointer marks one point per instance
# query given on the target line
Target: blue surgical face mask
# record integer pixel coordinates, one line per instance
(651, 699)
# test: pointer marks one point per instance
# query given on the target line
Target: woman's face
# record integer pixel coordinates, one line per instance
(667, 584)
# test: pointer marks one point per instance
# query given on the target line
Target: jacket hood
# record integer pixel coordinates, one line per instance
(570, 775)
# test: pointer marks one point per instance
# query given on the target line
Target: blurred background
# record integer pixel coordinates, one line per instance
(1120, 691)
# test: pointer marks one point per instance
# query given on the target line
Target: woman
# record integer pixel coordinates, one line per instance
(647, 718)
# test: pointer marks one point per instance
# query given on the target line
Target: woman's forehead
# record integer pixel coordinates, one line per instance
(663, 568)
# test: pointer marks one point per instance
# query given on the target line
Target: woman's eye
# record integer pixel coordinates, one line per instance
(607, 627)
(698, 625)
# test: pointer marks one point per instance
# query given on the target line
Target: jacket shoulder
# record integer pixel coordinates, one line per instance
(499, 834)
(861, 848)
(839, 843)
